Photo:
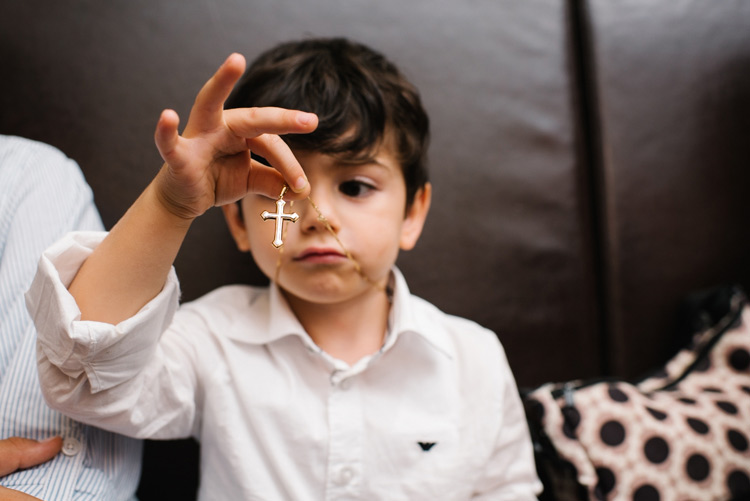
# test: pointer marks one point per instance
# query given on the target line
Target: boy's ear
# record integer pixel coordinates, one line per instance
(415, 217)
(236, 225)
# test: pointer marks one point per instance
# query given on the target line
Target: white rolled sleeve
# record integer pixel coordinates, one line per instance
(80, 359)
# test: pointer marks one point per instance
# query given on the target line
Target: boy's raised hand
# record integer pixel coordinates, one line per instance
(210, 164)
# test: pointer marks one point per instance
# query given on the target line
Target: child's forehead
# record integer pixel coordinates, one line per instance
(384, 151)
(382, 158)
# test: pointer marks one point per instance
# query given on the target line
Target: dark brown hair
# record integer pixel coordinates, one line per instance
(358, 95)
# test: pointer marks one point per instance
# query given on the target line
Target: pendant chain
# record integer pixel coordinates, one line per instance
(330, 229)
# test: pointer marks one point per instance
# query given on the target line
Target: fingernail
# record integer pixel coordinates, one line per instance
(306, 118)
(299, 184)
(48, 439)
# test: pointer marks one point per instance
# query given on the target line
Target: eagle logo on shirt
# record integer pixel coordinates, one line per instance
(426, 446)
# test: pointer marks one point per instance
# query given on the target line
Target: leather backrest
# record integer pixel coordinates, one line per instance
(670, 92)
(508, 240)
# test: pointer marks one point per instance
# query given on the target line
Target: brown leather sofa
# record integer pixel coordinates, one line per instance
(591, 159)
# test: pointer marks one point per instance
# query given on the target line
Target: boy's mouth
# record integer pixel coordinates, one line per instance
(320, 255)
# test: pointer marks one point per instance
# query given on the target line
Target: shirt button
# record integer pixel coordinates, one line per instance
(345, 384)
(346, 474)
(71, 446)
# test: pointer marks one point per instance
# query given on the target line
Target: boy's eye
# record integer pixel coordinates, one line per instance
(355, 188)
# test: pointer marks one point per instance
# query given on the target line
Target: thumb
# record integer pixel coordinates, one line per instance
(17, 452)
(166, 136)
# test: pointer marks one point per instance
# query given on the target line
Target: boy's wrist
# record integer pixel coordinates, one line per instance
(167, 207)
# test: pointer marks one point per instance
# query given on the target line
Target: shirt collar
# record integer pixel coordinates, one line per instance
(269, 318)
(411, 315)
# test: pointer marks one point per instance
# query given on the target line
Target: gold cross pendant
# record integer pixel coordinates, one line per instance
(279, 216)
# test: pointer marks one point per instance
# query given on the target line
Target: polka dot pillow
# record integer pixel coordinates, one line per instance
(682, 434)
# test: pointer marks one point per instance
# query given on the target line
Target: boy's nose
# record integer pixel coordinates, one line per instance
(316, 214)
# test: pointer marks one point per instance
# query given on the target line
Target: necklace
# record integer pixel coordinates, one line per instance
(280, 216)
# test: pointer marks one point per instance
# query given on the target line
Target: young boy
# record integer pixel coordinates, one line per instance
(333, 382)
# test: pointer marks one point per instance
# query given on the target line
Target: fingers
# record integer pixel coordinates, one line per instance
(209, 104)
(252, 122)
(262, 125)
(166, 136)
(16, 452)
(212, 152)
(277, 153)
(266, 180)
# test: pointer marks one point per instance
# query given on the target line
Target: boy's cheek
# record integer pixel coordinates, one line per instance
(265, 262)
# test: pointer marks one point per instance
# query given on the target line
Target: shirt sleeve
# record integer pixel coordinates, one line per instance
(510, 474)
(118, 377)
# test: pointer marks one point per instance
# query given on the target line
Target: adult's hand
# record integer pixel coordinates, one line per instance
(17, 453)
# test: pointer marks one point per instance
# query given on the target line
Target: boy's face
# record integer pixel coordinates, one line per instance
(364, 204)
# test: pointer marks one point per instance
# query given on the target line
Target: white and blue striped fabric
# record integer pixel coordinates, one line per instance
(43, 196)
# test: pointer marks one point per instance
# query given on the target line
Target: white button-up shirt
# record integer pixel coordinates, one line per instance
(435, 414)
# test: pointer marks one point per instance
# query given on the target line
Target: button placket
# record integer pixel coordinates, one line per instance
(346, 430)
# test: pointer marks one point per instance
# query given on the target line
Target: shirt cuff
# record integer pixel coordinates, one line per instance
(107, 354)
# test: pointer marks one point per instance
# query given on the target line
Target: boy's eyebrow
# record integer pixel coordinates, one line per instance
(340, 163)
(344, 163)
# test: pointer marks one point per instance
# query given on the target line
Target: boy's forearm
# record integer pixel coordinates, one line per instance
(130, 266)
(125, 378)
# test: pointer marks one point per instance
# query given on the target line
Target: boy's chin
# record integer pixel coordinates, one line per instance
(327, 293)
